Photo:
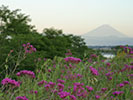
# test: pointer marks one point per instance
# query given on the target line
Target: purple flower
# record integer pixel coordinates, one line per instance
(110, 78)
(26, 72)
(72, 60)
(97, 96)
(121, 84)
(21, 98)
(79, 76)
(128, 50)
(125, 82)
(24, 45)
(93, 71)
(60, 86)
(54, 66)
(47, 87)
(78, 84)
(52, 84)
(49, 70)
(108, 64)
(63, 94)
(89, 88)
(116, 93)
(67, 54)
(102, 60)
(45, 59)
(94, 56)
(75, 88)
(10, 81)
(72, 97)
(109, 74)
(60, 81)
(29, 48)
(104, 89)
(130, 75)
(54, 91)
(41, 82)
(35, 92)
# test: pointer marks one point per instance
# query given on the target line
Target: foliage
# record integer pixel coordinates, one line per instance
(13, 22)
(61, 79)
(62, 42)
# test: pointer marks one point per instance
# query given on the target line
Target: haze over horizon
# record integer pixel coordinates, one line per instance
(77, 16)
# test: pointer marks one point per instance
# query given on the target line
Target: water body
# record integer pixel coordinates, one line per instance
(108, 55)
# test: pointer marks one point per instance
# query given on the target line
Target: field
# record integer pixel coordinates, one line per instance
(71, 78)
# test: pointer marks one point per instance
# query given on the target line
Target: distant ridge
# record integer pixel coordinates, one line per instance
(106, 35)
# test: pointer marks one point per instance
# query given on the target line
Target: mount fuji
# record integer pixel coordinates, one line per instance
(106, 35)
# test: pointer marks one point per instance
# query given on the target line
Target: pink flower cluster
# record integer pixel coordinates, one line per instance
(108, 64)
(125, 82)
(26, 72)
(97, 96)
(116, 93)
(109, 75)
(94, 71)
(29, 48)
(10, 81)
(126, 67)
(70, 66)
(72, 97)
(49, 86)
(127, 49)
(103, 89)
(122, 84)
(21, 98)
(63, 94)
(93, 56)
(60, 81)
(72, 60)
(60, 87)
(68, 53)
(71, 76)
(79, 90)
(41, 82)
(89, 88)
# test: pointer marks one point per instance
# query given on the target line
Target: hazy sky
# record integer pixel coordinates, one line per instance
(77, 16)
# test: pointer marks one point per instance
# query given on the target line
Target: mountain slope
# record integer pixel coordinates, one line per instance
(106, 35)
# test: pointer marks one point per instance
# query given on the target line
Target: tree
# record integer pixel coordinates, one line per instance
(60, 43)
(13, 22)
(52, 32)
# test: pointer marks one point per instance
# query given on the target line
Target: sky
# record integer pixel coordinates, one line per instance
(76, 16)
